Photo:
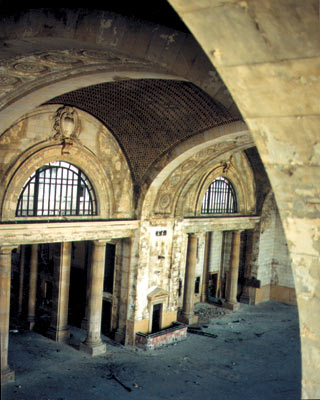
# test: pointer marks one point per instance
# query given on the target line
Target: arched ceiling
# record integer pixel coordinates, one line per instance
(148, 117)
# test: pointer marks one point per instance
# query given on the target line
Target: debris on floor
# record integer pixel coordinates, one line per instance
(206, 312)
(198, 331)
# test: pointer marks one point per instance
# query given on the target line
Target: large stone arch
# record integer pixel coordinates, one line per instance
(170, 174)
(268, 56)
(36, 139)
(91, 47)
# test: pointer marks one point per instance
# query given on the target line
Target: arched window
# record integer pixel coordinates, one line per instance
(57, 188)
(220, 198)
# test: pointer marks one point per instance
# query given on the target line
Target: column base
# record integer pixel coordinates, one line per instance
(58, 335)
(188, 318)
(84, 324)
(31, 323)
(7, 376)
(231, 306)
(93, 350)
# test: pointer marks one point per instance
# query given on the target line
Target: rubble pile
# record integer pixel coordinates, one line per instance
(207, 312)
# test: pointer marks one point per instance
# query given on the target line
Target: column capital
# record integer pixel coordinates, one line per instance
(101, 242)
(193, 234)
(7, 249)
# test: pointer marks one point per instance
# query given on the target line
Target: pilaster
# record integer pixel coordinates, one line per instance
(7, 375)
(93, 344)
(59, 330)
(188, 316)
(232, 302)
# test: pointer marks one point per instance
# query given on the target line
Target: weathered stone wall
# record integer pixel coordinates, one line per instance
(272, 72)
(270, 262)
(281, 264)
(215, 251)
(266, 242)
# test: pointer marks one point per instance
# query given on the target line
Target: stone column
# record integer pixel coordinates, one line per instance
(5, 281)
(120, 333)
(232, 302)
(204, 286)
(93, 343)
(21, 278)
(59, 329)
(188, 316)
(33, 287)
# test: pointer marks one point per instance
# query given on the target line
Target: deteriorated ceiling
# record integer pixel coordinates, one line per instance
(148, 117)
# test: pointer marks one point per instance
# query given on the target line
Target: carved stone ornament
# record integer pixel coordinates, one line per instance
(226, 165)
(67, 127)
(59, 58)
(111, 57)
(164, 201)
(30, 68)
(175, 179)
(188, 165)
(103, 55)
(8, 81)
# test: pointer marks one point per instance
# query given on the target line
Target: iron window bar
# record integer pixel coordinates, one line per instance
(57, 189)
(220, 198)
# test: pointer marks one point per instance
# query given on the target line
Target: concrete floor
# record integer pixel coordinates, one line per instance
(255, 356)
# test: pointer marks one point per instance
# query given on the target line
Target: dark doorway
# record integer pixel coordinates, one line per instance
(109, 268)
(106, 317)
(78, 282)
(156, 318)
(213, 285)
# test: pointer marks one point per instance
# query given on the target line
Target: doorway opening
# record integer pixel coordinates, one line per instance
(156, 317)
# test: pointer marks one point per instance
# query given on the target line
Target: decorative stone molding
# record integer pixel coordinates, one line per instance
(183, 190)
(238, 170)
(179, 177)
(29, 68)
(111, 57)
(60, 58)
(157, 296)
(67, 127)
(7, 81)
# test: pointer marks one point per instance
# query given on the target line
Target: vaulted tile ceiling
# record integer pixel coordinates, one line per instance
(148, 117)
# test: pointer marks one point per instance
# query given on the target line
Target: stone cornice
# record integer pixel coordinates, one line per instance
(29, 233)
(207, 224)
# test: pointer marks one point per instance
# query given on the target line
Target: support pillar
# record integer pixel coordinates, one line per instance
(84, 322)
(93, 343)
(232, 302)
(21, 278)
(59, 329)
(204, 286)
(120, 334)
(5, 281)
(33, 287)
(188, 316)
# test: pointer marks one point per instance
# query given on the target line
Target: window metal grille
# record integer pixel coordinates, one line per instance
(220, 198)
(56, 189)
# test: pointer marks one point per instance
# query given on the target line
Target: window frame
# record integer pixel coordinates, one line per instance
(74, 195)
(222, 190)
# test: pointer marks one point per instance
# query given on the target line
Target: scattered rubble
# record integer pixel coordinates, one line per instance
(206, 312)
